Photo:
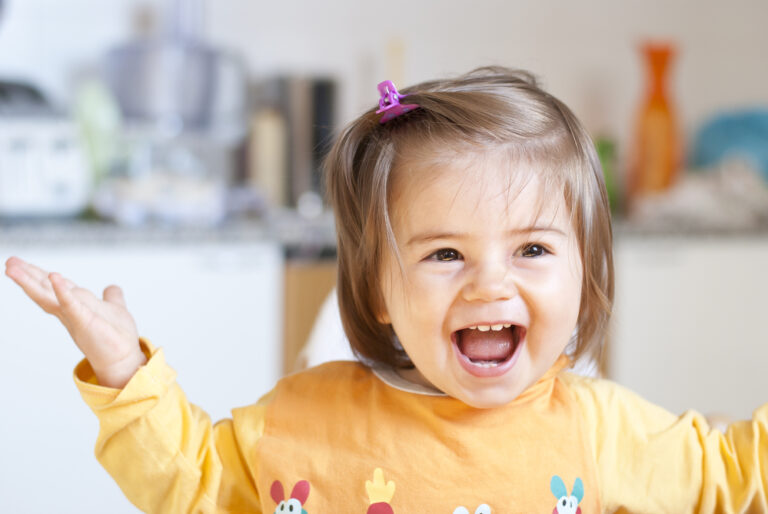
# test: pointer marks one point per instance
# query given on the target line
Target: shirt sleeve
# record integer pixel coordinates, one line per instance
(649, 460)
(164, 453)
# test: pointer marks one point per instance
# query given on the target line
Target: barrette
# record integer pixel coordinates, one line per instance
(389, 104)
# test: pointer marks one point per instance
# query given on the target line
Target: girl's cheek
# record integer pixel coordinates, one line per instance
(427, 286)
(536, 277)
(436, 273)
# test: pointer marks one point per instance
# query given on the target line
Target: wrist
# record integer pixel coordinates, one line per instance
(119, 373)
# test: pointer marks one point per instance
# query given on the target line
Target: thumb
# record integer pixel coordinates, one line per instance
(113, 294)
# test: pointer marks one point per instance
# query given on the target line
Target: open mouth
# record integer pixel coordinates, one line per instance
(488, 350)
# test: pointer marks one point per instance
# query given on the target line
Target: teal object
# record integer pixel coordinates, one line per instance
(739, 134)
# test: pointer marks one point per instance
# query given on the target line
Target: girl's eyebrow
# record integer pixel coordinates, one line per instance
(426, 237)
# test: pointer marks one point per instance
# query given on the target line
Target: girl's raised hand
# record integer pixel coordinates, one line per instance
(104, 330)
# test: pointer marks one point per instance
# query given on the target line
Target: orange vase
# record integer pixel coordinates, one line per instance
(657, 146)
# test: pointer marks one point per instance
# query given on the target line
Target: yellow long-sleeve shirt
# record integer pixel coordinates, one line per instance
(338, 439)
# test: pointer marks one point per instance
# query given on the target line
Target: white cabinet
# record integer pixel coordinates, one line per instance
(216, 309)
(690, 325)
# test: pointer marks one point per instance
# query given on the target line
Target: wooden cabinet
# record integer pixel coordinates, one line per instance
(307, 284)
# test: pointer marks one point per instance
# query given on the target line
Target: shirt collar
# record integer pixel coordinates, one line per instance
(390, 376)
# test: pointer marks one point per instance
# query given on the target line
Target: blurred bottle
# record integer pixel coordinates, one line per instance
(657, 145)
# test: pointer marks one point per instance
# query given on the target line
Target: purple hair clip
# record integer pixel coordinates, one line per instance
(389, 104)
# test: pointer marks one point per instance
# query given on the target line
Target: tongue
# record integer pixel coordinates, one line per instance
(485, 346)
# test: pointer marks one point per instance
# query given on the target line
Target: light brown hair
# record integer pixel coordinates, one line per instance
(487, 109)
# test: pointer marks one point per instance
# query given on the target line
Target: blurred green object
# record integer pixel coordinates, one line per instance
(606, 152)
(99, 119)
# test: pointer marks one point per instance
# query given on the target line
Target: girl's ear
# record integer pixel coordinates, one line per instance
(380, 309)
(383, 317)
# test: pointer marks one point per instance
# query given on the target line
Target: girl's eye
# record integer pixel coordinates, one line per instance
(446, 255)
(533, 250)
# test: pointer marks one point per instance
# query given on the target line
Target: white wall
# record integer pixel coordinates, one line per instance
(585, 51)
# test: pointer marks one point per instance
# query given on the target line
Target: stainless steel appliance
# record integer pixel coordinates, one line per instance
(183, 103)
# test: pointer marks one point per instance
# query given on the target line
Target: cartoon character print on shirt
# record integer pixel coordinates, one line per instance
(566, 504)
(294, 504)
(482, 509)
(380, 493)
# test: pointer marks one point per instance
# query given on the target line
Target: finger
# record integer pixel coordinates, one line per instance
(113, 294)
(40, 293)
(12, 261)
(15, 267)
(28, 268)
(42, 276)
(70, 306)
(91, 308)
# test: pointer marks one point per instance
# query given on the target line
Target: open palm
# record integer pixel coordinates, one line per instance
(103, 329)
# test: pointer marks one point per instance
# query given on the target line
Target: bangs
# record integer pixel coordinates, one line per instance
(493, 130)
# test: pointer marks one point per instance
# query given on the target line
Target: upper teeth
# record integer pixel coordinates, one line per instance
(486, 328)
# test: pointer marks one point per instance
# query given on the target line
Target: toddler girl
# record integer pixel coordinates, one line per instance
(474, 248)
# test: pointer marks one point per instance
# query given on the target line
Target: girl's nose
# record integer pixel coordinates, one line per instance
(489, 282)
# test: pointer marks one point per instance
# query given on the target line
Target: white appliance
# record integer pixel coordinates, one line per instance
(43, 172)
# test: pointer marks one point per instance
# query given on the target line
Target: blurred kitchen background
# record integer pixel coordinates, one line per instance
(173, 147)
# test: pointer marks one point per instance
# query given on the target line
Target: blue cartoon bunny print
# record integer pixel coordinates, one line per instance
(566, 504)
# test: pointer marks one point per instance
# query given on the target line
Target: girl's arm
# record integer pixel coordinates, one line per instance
(650, 460)
(163, 452)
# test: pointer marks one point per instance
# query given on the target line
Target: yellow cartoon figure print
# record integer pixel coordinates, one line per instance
(380, 493)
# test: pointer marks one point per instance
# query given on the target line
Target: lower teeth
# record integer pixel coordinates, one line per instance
(486, 364)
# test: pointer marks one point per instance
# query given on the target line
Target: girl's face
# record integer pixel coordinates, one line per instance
(490, 288)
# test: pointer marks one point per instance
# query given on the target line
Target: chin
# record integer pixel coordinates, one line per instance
(486, 404)
(486, 399)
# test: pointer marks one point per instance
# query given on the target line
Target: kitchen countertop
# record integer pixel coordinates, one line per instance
(300, 236)
(625, 229)
(311, 238)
